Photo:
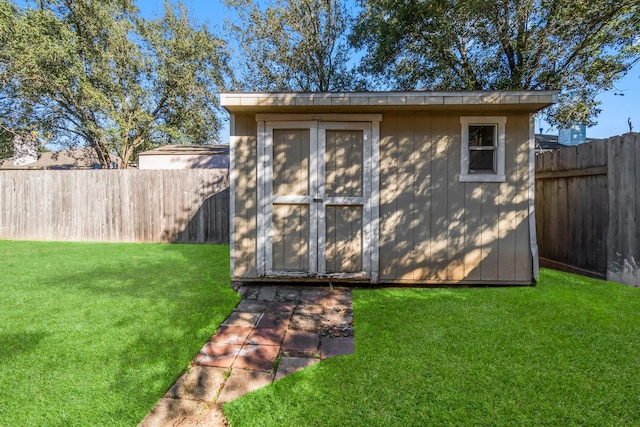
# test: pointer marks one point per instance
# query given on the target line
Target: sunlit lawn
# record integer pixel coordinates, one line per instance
(566, 352)
(94, 334)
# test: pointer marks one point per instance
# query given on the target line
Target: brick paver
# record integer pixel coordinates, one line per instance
(241, 382)
(257, 357)
(273, 332)
(289, 365)
(200, 383)
(220, 355)
(300, 342)
(331, 347)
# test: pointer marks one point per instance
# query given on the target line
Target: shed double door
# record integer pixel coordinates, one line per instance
(317, 220)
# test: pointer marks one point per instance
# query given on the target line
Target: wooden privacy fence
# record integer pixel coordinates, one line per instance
(181, 206)
(588, 208)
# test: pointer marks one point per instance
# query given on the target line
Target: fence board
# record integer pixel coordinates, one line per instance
(588, 208)
(115, 205)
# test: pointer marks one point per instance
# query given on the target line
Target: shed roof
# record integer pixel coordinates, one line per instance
(532, 101)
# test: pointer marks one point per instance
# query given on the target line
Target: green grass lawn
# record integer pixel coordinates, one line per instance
(566, 352)
(94, 334)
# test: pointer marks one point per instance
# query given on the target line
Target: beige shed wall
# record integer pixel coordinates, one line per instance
(433, 228)
(244, 144)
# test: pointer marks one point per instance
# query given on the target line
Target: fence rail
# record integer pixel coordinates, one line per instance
(181, 206)
(588, 208)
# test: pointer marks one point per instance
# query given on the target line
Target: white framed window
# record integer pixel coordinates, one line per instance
(483, 149)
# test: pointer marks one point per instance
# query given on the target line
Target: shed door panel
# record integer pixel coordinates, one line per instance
(291, 162)
(290, 237)
(343, 199)
(315, 210)
(291, 207)
(343, 163)
(343, 246)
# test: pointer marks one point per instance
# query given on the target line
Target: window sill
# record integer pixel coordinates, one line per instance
(483, 178)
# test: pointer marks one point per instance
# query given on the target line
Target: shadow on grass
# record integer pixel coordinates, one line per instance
(145, 311)
(17, 344)
(557, 354)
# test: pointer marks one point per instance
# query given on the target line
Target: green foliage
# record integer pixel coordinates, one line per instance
(294, 45)
(564, 352)
(6, 144)
(577, 46)
(93, 334)
(96, 73)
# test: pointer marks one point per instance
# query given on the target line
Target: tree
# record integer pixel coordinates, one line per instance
(6, 144)
(577, 46)
(294, 45)
(82, 72)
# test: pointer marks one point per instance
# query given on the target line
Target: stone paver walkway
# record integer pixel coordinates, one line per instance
(273, 332)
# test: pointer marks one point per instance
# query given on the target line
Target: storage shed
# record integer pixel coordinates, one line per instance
(185, 157)
(393, 187)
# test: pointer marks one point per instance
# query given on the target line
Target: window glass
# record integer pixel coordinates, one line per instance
(481, 135)
(483, 148)
(481, 161)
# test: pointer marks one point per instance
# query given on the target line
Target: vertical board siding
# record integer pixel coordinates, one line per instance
(388, 197)
(433, 228)
(343, 248)
(291, 237)
(523, 265)
(115, 205)
(436, 229)
(588, 208)
(245, 147)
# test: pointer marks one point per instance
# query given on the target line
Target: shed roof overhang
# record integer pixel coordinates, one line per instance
(361, 102)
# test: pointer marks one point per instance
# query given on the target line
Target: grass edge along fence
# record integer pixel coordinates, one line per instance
(180, 206)
(588, 208)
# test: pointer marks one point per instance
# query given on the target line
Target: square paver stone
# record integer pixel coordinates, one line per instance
(242, 319)
(288, 295)
(281, 307)
(241, 382)
(336, 298)
(181, 412)
(336, 319)
(257, 357)
(306, 308)
(304, 322)
(289, 365)
(300, 341)
(231, 334)
(200, 383)
(252, 306)
(220, 355)
(267, 293)
(331, 347)
(249, 292)
(266, 336)
(314, 296)
(274, 320)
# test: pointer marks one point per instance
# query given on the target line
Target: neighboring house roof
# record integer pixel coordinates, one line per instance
(79, 158)
(545, 142)
(221, 149)
(185, 157)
